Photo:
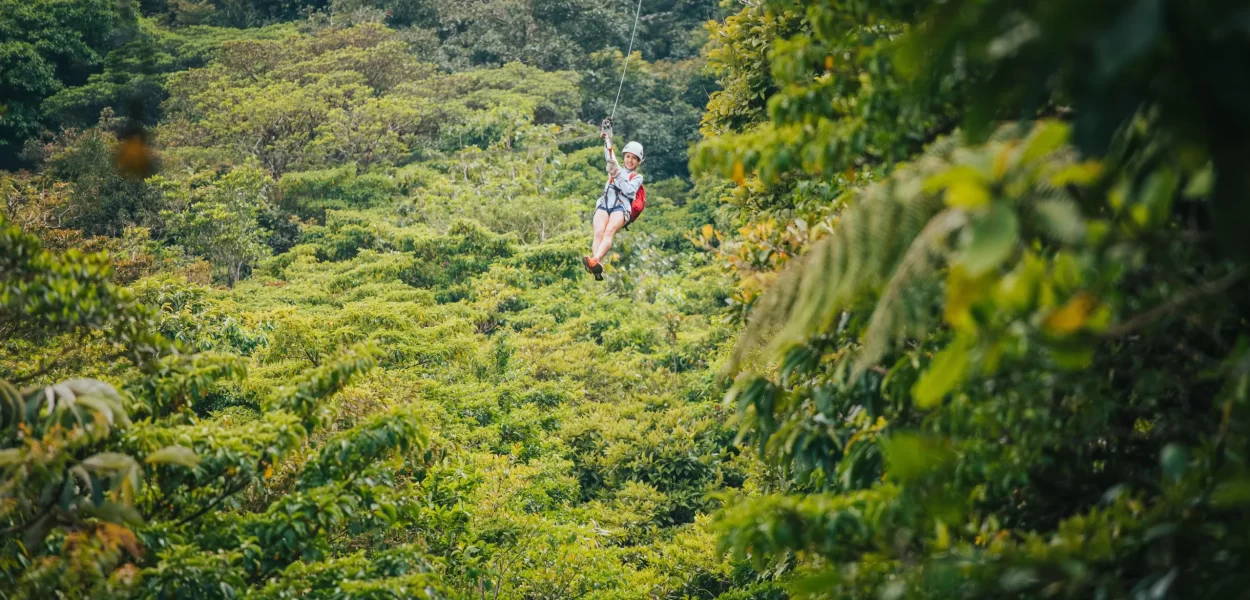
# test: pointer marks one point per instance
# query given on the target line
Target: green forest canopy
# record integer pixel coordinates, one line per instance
(944, 301)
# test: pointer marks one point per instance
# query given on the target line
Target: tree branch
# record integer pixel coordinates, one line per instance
(43, 512)
(15, 528)
(238, 487)
(1203, 290)
(42, 370)
(57, 362)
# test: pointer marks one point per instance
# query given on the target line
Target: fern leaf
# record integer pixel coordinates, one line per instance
(892, 242)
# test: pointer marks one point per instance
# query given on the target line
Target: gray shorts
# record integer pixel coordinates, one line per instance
(622, 207)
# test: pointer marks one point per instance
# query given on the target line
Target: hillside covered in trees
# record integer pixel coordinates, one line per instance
(930, 300)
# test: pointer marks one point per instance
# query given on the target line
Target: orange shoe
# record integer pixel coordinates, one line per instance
(593, 267)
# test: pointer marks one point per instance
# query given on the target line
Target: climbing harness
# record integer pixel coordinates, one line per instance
(639, 201)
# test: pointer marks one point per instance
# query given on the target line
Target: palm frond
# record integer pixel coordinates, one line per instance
(892, 242)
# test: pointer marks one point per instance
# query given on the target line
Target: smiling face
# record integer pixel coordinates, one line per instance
(631, 161)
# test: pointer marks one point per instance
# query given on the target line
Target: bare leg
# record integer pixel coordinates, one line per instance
(601, 223)
(615, 222)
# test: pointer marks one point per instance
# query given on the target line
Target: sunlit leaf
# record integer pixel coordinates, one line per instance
(993, 239)
(109, 461)
(1046, 138)
(1072, 316)
(962, 292)
(910, 456)
(10, 456)
(178, 455)
(945, 373)
(1083, 173)
(1201, 184)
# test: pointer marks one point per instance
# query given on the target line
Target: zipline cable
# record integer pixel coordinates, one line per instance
(637, 12)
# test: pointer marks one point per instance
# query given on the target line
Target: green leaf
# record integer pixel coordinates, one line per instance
(1016, 579)
(1062, 219)
(1072, 357)
(1155, 199)
(1201, 184)
(1173, 459)
(967, 194)
(98, 405)
(1160, 531)
(818, 583)
(992, 241)
(36, 532)
(178, 455)
(909, 456)
(1046, 138)
(948, 369)
(10, 456)
(1232, 493)
(109, 461)
(117, 513)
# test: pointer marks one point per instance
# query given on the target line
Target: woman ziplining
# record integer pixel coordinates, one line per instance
(621, 203)
(624, 196)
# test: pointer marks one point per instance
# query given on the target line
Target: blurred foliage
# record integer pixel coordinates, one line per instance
(984, 260)
(101, 200)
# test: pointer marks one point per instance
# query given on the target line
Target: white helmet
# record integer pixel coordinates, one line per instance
(633, 148)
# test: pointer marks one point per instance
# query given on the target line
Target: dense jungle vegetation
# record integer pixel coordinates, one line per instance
(931, 300)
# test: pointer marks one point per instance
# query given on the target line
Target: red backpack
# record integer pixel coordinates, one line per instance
(640, 201)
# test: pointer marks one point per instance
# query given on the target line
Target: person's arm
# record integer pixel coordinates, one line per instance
(626, 184)
(609, 154)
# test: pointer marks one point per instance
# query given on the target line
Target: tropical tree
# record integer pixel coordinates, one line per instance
(59, 471)
(100, 503)
(103, 201)
(219, 220)
(45, 46)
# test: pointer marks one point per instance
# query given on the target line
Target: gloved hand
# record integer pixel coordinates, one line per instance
(613, 169)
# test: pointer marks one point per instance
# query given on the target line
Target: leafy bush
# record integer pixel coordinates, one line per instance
(442, 261)
(310, 194)
(102, 201)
